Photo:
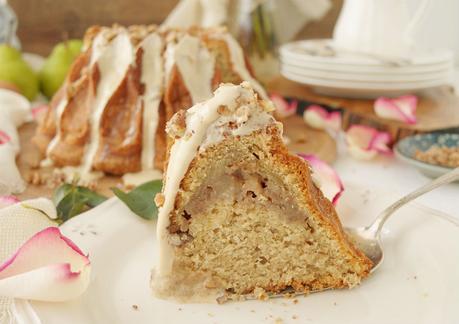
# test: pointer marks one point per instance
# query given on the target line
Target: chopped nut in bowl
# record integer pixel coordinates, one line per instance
(432, 153)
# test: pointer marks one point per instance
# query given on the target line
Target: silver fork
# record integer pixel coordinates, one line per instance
(368, 239)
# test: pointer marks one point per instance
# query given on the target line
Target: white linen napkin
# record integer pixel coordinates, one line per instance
(205, 13)
(14, 111)
(10, 178)
(18, 223)
(288, 18)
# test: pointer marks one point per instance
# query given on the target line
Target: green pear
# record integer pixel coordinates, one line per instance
(14, 70)
(8, 53)
(57, 65)
(75, 46)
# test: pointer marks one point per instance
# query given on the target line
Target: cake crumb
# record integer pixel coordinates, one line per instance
(210, 314)
(176, 127)
(223, 110)
(260, 294)
(289, 295)
(252, 311)
(159, 199)
(295, 301)
(34, 178)
(294, 317)
(135, 307)
(278, 320)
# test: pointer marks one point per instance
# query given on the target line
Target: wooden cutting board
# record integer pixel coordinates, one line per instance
(301, 138)
(438, 108)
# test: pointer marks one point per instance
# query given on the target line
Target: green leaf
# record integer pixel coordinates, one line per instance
(140, 200)
(92, 198)
(72, 200)
(61, 192)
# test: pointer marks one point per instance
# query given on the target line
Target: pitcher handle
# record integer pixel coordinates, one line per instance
(417, 17)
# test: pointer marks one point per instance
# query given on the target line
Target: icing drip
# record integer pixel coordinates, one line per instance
(59, 111)
(205, 125)
(152, 78)
(169, 60)
(196, 65)
(239, 65)
(113, 60)
(100, 42)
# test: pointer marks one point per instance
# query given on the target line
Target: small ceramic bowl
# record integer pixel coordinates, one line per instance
(405, 150)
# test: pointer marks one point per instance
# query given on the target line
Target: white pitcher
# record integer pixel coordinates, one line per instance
(381, 27)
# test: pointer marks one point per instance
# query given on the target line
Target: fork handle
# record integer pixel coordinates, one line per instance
(379, 222)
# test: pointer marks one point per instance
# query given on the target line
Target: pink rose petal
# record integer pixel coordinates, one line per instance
(8, 200)
(364, 142)
(283, 108)
(402, 108)
(325, 177)
(39, 110)
(318, 117)
(4, 137)
(48, 267)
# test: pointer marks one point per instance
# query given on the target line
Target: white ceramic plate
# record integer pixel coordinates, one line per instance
(417, 283)
(365, 69)
(369, 77)
(301, 51)
(363, 84)
(348, 89)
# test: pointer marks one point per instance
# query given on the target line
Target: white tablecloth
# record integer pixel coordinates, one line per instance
(397, 177)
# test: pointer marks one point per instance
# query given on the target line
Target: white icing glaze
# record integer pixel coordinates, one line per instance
(195, 64)
(204, 126)
(152, 78)
(99, 44)
(113, 61)
(59, 111)
(98, 47)
(169, 60)
(246, 124)
(113, 57)
(138, 178)
(239, 65)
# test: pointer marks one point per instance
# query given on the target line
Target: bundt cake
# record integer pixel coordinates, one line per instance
(238, 214)
(110, 114)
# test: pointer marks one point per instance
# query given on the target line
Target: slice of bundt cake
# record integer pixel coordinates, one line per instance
(238, 214)
(110, 114)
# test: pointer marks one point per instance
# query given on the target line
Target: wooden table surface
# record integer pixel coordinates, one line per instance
(438, 109)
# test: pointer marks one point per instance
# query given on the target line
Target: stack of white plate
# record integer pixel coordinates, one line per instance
(349, 74)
